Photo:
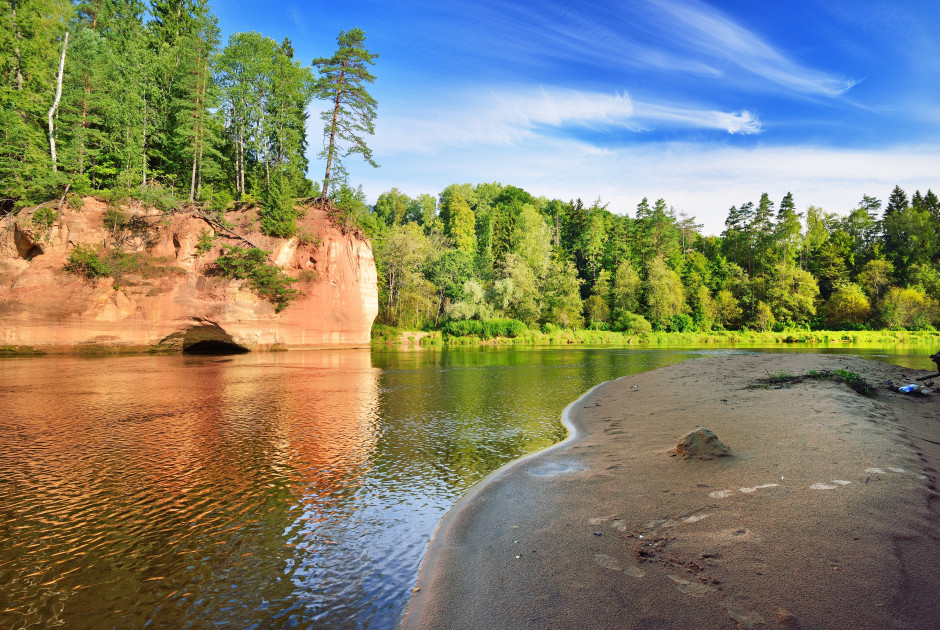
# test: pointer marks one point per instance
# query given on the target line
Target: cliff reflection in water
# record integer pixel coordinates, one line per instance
(181, 491)
(262, 490)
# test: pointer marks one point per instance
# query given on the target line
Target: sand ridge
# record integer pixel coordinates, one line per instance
(826, 514)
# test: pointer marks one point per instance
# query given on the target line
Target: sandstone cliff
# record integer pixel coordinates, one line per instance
(165, 294)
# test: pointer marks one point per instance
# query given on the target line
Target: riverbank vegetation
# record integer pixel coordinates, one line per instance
(141, 100)
(561, 269)
(555, 336)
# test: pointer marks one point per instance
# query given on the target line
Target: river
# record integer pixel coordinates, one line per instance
(292, 489)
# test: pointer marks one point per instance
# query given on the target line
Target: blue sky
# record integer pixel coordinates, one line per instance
(705, 104)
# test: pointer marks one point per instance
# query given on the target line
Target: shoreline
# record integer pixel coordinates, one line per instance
(808, 525)
(392, 337)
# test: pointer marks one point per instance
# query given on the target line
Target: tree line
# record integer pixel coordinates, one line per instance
(126, 98)
(476, 252)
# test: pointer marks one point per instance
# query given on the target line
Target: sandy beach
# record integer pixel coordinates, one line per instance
(824, 516)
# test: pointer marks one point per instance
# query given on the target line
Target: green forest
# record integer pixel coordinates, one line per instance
(491, 251)
(124, 99)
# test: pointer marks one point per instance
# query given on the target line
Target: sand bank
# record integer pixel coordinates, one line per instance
(825, 516)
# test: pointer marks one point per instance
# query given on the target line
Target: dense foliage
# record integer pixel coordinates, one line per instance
(85, 261)
(476, 253)
(128, 98)
(251, 264)
(140, 99)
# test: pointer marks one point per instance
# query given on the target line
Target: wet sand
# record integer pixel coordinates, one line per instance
(826, 515)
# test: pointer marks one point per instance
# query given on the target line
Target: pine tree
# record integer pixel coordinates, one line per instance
(762, 228)
(787, 228)
(896, 202)
(352, 113)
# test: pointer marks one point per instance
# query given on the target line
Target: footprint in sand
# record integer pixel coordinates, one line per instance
(756, 488)
(722, 494)
(634, 572)
(607, 562)
(829, 486)
(895, 469)
(695, 589)
(745, 618)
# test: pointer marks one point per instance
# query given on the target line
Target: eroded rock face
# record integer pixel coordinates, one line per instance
(168, 294)
(701, 444)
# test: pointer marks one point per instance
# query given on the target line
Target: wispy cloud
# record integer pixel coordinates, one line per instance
(297, 18)
(712, 33)
(743, 122)
(674, 36)
(506, 118)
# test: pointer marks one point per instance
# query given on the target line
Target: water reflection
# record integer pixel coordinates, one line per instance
(263, 490)
(176, 490)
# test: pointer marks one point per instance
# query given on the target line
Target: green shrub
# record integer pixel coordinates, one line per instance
(158, 197)
(217, 200)
(44, 218)
(115, 196)
(278, 216)
(680, 323)
(503, 328)
(81, 185)
(633, 323)
(251, 264)
(206, 240)
(307, 237)
(464, 328)
(487, 328)
(85, 261)
(115, 219)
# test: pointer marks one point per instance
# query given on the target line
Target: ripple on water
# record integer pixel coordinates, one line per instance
(281, 490)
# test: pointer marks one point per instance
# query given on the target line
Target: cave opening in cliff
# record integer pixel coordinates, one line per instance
(209, 339)
(214, 347)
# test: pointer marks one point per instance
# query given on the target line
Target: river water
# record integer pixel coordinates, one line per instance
(290, 489)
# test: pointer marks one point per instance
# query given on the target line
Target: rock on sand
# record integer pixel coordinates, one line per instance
(701, 444)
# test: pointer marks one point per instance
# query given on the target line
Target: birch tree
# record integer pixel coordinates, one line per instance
(55, 103)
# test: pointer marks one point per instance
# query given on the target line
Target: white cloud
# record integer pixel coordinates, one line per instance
(711, 33)
(685, 37)
(508, 118)
(702, 180)
(743, 122)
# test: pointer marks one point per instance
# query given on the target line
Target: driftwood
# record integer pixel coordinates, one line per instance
(936, 359)
(218, 225)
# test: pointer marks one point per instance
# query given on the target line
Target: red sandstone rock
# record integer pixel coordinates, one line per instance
(175, 299)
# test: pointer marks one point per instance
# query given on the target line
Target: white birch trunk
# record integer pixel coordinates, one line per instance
(55, 104)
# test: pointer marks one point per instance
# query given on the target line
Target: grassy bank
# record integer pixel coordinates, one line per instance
(384, 335)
